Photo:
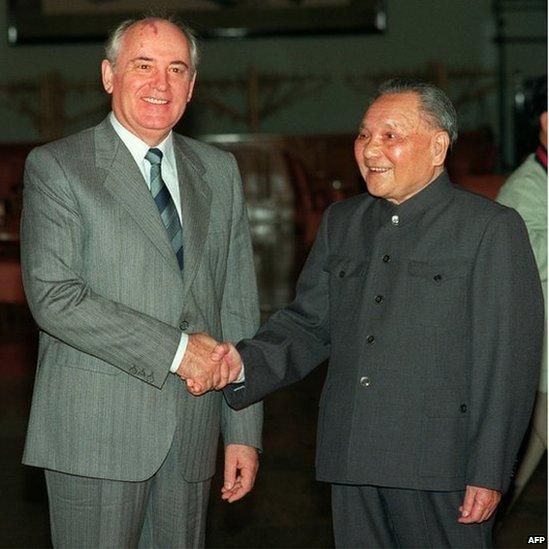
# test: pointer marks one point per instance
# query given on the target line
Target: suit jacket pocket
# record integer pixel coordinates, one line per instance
(441, 403)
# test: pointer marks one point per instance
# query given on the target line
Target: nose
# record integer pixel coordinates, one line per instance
(370, 149)
(161, 80)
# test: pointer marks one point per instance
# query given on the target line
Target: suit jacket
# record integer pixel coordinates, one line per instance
(105, 289)
(432, 317)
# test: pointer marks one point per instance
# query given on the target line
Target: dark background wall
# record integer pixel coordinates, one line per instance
(448, 38)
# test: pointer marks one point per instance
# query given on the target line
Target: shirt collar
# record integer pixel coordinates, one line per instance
(138, 148)
(431, 195)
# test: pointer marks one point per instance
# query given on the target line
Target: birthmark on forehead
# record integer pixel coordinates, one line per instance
(152, 26)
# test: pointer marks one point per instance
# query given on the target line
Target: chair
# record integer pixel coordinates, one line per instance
(13, 305)
(311, 198)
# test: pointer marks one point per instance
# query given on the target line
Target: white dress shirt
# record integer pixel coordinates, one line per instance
(138, 149)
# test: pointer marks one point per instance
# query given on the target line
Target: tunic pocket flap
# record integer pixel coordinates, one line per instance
(439, 271)
(344, 267)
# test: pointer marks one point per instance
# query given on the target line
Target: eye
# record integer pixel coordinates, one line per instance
(362, 135)
(143, 66)
(179, 70)
(391, 135)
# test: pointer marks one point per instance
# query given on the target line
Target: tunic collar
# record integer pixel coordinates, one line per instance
(430, 196)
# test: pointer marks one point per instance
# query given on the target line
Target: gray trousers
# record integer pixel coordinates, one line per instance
(163, 511)
(376, 517)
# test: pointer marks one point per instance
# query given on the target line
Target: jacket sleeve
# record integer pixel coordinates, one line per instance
(240, 315)
(507, 332)
(62, 303)
(295, 339)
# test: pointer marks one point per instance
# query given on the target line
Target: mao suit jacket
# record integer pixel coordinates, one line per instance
(106, 291)
(432, 317)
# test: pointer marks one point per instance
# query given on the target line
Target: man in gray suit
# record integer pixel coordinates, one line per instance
(134, 240)
(427, 301)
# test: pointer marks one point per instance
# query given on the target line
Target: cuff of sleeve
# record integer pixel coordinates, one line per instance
(181, 348)
(241, 376)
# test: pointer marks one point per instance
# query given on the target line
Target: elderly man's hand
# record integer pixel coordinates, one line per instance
(198, 369)
(231, 358)
(241, 465)
(478, 504)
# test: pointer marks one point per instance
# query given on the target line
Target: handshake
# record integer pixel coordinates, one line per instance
(208, 365)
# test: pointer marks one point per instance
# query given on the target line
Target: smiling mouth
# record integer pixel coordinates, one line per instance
(377, 169)
(155, 101)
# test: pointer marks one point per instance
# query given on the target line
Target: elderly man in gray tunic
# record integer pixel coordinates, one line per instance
(426, 300)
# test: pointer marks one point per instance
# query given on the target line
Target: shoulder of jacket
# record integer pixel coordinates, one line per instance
(475, 205)
(204, 151)
(68, 143)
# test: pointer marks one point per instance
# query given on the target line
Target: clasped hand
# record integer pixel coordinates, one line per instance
(208, 365)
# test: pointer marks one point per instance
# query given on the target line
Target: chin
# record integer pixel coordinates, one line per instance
(374, 189)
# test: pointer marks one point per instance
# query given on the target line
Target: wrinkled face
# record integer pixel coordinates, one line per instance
(152, 81)
(397, 150)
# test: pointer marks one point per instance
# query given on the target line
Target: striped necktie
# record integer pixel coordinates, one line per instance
(165, 204)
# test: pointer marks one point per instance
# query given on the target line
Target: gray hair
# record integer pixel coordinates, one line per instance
(436, 105)
(114, 41)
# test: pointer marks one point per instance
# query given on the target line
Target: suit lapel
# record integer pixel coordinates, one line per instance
(125, 182)
(196, 198)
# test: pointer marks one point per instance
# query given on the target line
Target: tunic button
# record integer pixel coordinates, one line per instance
(365, 381)
(184, 325)
(395, 219)
(378, 298)
(386, 258)
(437, 278)
(370, 339)
(341, 274)
(463, 408)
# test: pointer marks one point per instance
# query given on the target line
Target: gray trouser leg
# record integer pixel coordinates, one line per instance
(377, 517)
(360, 518)
(95, 513)
(164, 511)
(176, 512)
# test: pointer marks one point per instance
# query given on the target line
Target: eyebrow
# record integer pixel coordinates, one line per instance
(389, 124)
(143, 58)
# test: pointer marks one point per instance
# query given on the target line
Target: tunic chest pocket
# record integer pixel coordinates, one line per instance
(342, 268)
(438, 272)
(437, 291)
(347, 277)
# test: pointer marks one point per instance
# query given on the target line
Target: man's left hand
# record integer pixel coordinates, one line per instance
(241, 465)
(478, 504)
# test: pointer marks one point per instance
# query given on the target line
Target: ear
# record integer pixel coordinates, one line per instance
(191, 87)
(107, 75)
(440, 143)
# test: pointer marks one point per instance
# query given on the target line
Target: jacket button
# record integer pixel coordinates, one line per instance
(378, 298)
(370, 339)
(386, 258)
(184, 325)
(437, 278)
(341, 274)
(365, 381)
(463, 408)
